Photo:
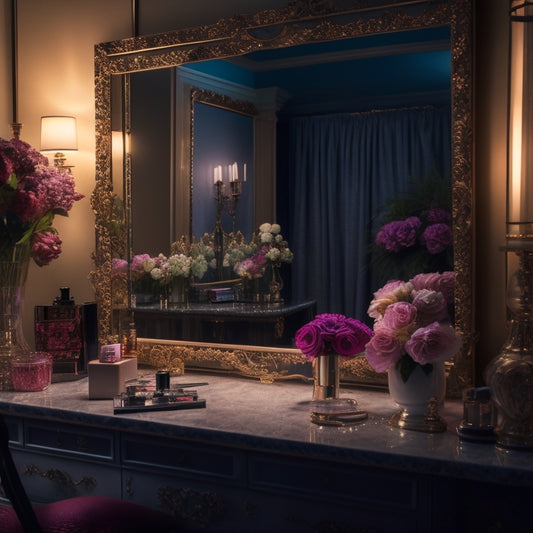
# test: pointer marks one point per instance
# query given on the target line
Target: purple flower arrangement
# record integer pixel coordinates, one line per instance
(329, 334)
(433, 231)
(31, 194)
(412, 324)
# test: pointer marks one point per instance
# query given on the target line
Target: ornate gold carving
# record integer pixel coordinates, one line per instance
(191, 505)
(265, 364)
(225, 102)
(300, 22)
(60, 477)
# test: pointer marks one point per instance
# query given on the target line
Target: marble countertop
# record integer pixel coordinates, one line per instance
(275, 417)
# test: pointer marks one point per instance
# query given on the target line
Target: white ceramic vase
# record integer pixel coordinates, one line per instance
(419, 398)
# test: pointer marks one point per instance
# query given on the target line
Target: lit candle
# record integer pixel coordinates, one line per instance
(217, 174)
(244, 173)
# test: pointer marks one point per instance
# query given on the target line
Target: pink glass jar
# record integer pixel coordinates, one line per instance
(32, 371)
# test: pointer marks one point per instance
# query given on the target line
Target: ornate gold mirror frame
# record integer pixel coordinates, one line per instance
(299, 22)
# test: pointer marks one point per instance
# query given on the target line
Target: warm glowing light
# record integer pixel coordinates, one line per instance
(58, 134)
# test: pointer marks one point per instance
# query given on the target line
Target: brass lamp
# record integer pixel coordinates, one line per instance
(510, 374)
(58, 134)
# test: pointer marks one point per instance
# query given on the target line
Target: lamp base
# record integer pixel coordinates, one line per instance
(510, 374)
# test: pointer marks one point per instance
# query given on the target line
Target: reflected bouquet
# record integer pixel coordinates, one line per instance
(330, 334)
(31, 194)
(270, 249)
(412, 324)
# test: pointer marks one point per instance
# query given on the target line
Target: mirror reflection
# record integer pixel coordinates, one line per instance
(353, 125)
(330, 88)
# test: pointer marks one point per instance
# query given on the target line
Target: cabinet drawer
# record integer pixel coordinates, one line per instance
(199, 504)
(180, 457)
(342, 482)
(81, 442)
(48, 478)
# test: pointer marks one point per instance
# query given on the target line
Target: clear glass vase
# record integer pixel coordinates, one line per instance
(13, 274)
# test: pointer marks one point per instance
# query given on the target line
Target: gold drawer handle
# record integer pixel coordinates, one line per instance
(62, 478)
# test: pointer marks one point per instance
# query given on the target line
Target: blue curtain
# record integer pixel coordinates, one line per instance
(339, 172)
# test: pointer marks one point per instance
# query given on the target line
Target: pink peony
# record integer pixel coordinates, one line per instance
(399, 315)
(431, 307)
(391, 292)
(45, 247)
(137, 262)
(119, 267)
(383, 350)
(434, 281)
(435, 341)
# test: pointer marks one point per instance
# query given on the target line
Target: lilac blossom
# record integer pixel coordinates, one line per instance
(45, 247)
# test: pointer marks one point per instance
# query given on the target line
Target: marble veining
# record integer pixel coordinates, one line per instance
(275, 417)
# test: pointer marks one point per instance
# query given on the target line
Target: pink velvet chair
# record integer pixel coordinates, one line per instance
(85, 514)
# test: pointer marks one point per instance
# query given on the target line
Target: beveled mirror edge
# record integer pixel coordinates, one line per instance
(230, 37)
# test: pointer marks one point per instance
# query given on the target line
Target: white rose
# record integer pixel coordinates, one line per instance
(266, 237)
(276, 228)
(156, 273)
(265, 228)
(273, 254)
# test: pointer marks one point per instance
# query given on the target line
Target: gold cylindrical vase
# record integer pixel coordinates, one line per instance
(326, 377)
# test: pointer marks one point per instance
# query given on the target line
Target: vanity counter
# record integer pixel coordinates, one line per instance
(274, 417)
(253, 461)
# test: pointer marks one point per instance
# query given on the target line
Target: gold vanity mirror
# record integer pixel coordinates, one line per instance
(300, 23)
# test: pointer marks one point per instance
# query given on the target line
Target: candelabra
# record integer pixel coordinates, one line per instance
(227, 197)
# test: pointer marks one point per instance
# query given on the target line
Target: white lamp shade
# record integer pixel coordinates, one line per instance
(58, 133)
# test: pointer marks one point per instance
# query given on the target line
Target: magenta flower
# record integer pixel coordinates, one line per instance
(399, 234)
(437, 237)
(45, 247)
(6, 168)
(435, 341)
(309, 340)
(331, 333)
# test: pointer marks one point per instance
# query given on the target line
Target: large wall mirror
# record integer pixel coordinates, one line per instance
(275, 69)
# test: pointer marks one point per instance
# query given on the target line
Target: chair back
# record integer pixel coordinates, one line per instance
(13, 488)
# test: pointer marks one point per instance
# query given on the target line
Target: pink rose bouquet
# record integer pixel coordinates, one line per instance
(32, 193)
(330, 333)
(412, 324)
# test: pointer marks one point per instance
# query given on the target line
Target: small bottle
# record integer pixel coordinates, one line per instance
(129, 341)
(65, 298)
